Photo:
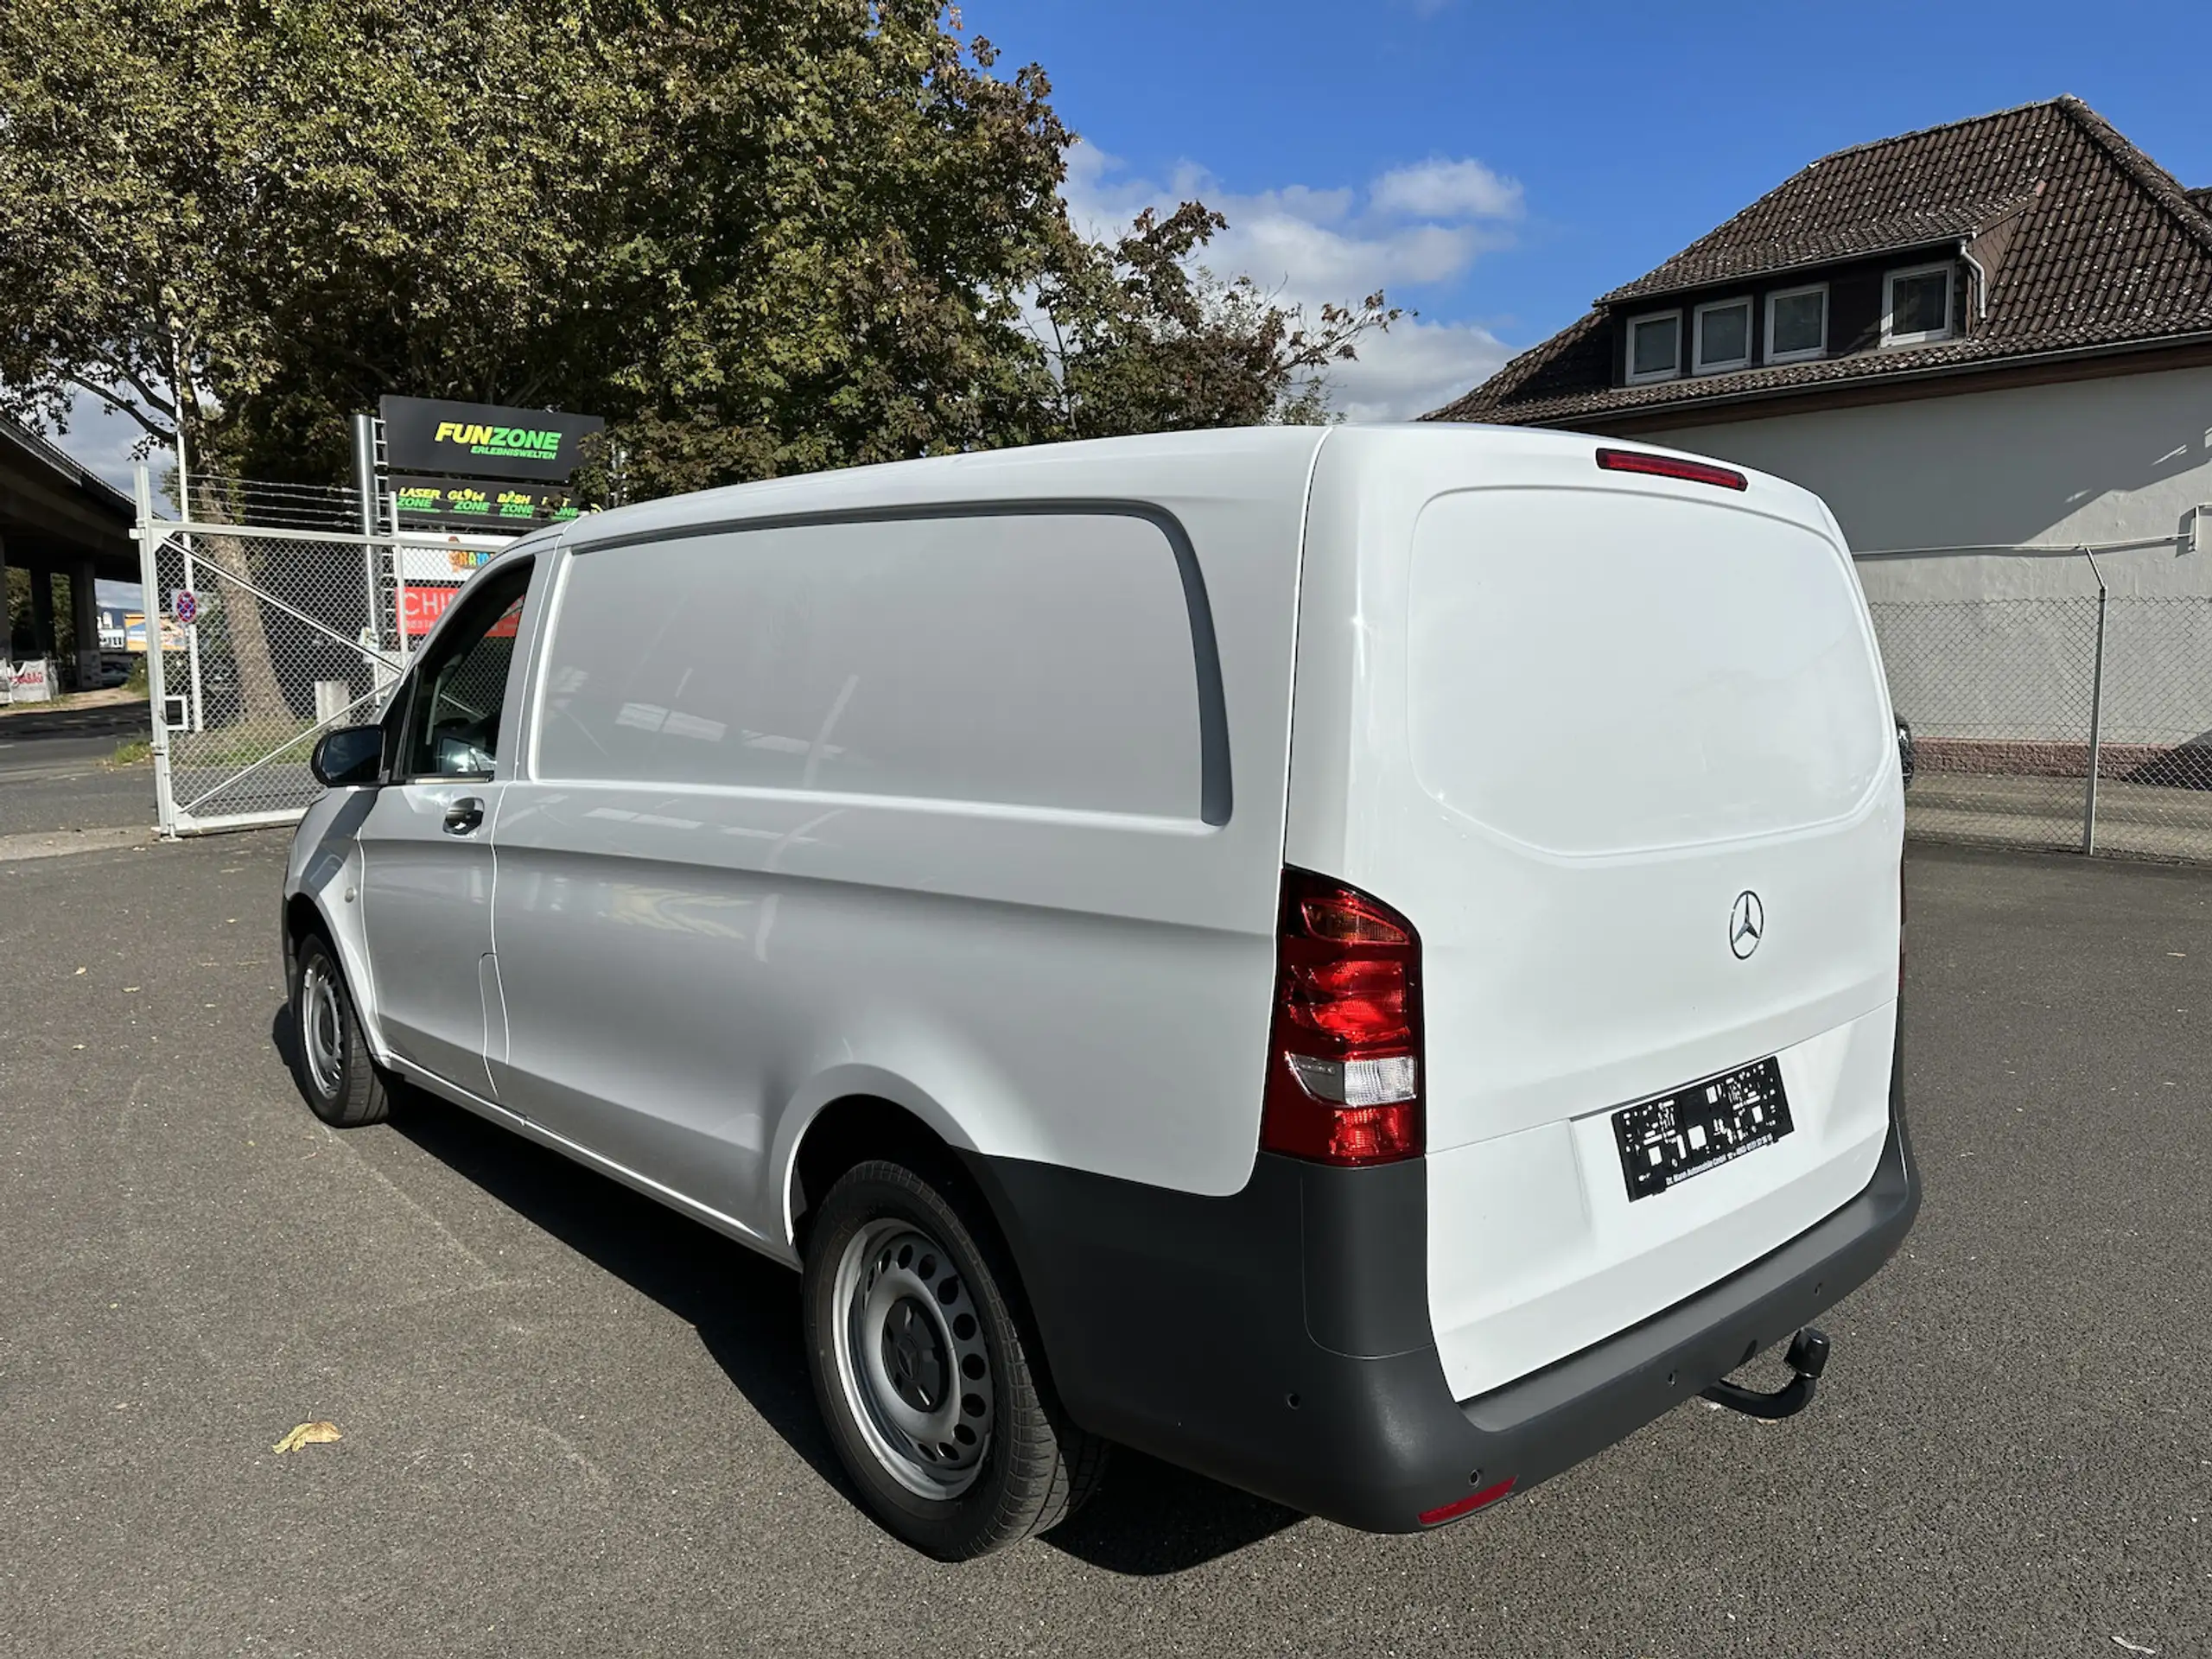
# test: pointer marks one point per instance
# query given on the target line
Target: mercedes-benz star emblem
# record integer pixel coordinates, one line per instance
(1747, 924)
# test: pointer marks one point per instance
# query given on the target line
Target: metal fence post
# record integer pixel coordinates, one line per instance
(149, 603)
(2096, 712)
(398, 588)
(365, 490)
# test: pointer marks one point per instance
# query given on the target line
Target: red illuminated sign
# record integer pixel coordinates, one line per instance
(425, 604)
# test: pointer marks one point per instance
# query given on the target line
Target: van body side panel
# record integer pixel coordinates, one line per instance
(696, 961)
(1562, 719)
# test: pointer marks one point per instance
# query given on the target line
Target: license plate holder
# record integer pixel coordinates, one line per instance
(1664, 1141)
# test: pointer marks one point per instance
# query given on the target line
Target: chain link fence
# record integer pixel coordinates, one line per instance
(271, 618)
(2082, 723)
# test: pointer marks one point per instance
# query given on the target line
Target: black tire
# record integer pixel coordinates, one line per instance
(330, 1059)
(1032, 1469)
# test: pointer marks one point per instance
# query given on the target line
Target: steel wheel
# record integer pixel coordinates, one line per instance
(322, 1026)
(910, 1358)
(336, 1071)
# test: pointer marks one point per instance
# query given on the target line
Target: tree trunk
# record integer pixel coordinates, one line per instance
(260, 693)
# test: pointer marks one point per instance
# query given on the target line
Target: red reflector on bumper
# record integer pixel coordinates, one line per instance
(1466, 1505)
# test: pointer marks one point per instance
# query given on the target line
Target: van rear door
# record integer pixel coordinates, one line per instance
(1618, 746)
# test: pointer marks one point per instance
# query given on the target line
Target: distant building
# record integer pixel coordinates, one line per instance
(1996, 332)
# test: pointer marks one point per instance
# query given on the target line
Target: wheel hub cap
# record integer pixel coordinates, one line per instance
(912, 1359)
(912, 1355)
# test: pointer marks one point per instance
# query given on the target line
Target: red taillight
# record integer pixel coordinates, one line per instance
(1344, 1051)
(1466, 1505)
(1695, 472)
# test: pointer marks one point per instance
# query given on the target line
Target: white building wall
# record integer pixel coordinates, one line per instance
(1982, 647)
(2095, 460)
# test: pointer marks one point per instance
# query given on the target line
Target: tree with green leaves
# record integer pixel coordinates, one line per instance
(1144, 339)
(763, 237)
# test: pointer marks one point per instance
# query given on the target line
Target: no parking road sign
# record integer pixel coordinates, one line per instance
(184, 606)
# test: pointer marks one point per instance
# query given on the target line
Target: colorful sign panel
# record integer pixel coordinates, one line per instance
(426, 604)
(440, 563)
(428, 435)
(458, 504)
(134, 632)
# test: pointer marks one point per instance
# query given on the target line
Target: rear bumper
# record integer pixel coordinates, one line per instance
(1279, 1339)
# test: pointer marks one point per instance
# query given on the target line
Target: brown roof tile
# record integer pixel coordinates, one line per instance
(2107, 248)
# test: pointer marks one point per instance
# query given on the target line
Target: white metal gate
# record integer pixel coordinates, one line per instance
(261, 636)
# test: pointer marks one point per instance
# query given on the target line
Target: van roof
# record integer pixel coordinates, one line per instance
(1220, 463)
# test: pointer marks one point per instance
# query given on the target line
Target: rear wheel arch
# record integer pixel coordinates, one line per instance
(853, 1129)
(856, 1129)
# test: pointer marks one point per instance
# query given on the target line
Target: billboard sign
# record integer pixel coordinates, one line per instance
(440, 563)
(429, 434)
(426, 604)
(134, 632)
(457, 504)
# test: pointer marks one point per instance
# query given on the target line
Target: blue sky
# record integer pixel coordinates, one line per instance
(1498, 166)
(1495, 166)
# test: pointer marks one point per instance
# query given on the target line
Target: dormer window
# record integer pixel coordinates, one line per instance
(1724, 336)
(1797, 323)
(1917, 305)
(1654, 347)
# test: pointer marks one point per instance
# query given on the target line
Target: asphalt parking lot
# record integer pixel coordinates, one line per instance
(55, 770)
(574, 1424)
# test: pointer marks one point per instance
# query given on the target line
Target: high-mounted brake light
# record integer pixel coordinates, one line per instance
(1344, 1048)
(1695, 472)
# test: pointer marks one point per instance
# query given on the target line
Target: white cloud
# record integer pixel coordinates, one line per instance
(1412, 228)
(1438, 188)
(1417, 367)
(104, 442)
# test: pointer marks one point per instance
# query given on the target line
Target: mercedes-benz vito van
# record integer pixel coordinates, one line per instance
(1362, 962)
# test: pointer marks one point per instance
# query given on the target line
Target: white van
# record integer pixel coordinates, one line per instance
(1361, 962)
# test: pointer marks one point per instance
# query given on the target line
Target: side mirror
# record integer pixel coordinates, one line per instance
(348, 755)
(1904, 751)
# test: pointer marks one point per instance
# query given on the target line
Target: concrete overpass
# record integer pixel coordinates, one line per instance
(56, 519)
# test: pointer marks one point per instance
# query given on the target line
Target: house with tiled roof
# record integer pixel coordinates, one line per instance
(1994, 333)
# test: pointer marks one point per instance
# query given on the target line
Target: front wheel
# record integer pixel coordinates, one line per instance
(336, 1071)
(923, 1377)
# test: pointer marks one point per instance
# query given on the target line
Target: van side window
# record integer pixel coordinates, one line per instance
(452, 722)
(1031, 659)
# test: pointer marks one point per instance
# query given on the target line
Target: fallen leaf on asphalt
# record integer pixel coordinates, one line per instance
(81, 970)
(307, 1434)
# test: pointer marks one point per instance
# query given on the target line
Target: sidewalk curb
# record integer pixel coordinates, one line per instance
(56, 844)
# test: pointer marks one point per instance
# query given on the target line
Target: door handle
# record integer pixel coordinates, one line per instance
(463, 816)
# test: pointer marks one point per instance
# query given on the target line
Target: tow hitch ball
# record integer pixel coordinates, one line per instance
(1807, 1359)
